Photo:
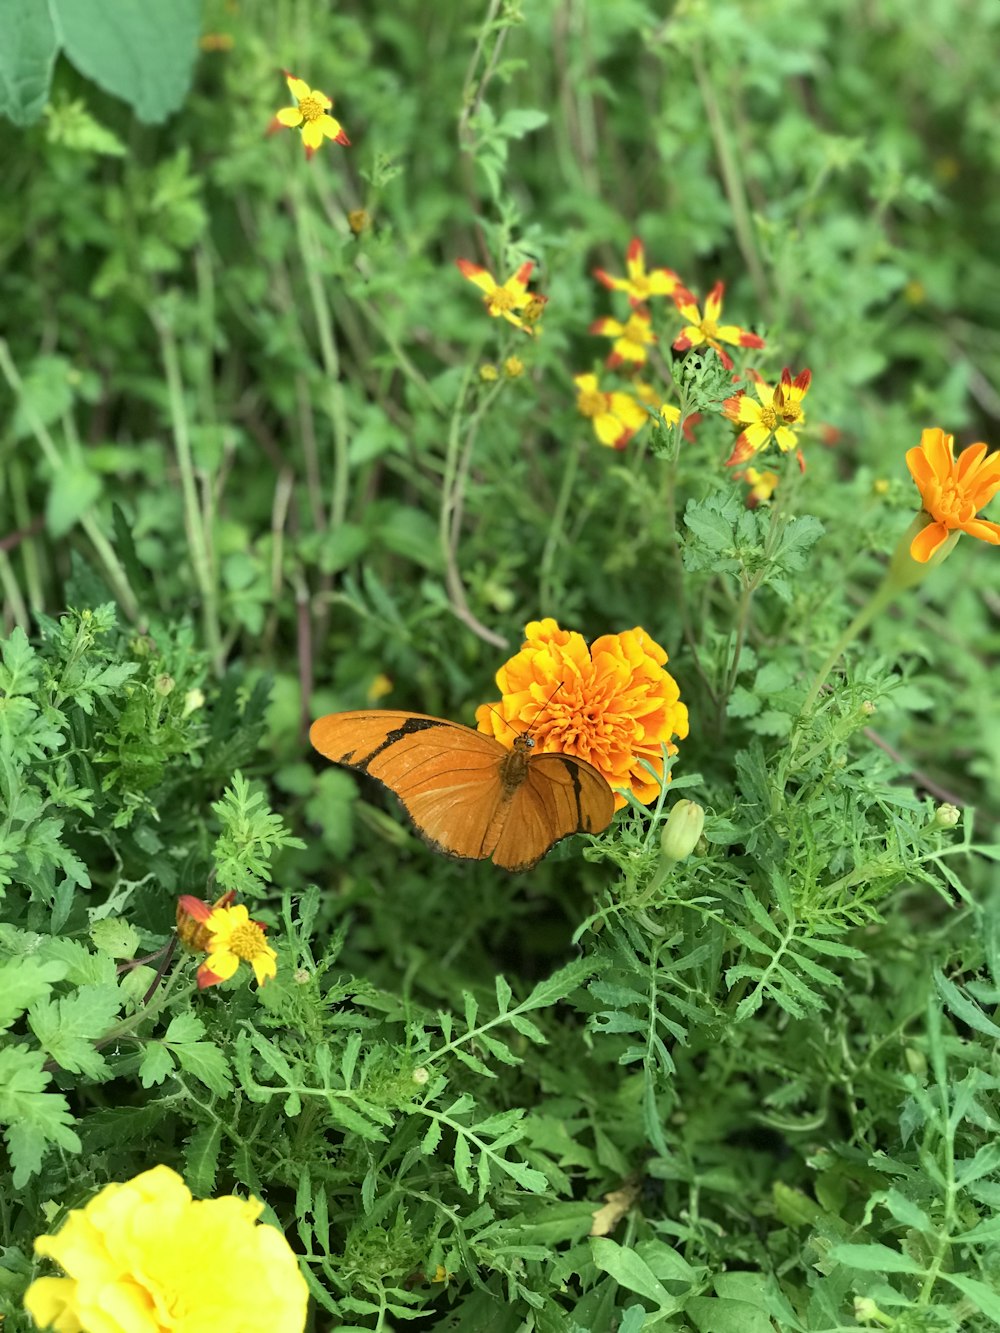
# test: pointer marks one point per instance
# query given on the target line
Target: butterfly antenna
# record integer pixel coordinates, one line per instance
(544, 706)
(503, 720)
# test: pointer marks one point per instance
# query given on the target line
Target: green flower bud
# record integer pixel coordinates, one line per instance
(164, 685)
(946, 816)
(682, 830)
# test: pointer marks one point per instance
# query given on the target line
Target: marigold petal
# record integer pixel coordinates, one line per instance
(289, 116)
(312, 134)
(939, 449)
(928, 540)
(628, 411)
(586, 383)
(477, 274)
(663, 282)
(222, 965)
(920, 468)
(786, 438)
(758, 435)
(612, 283)
(606, 327)
(687, 305)
(297, 87)
(984, 530)
(610, 431)
(713, 301)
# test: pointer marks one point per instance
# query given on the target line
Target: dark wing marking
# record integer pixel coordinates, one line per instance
(561, 795)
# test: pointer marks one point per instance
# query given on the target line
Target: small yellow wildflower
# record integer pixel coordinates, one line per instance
(513, 367)
(640, 285)
(505, 298)
(776, 414)
(309, 113)
(235, 939)
(762, 486)
(615, 416)
(631, 338)
(952, 491)
(706, 328)
(145, 1256)
(488, 373)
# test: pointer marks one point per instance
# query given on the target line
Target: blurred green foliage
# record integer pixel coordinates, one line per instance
(250, 473)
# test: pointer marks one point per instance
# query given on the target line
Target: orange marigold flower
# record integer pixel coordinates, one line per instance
(508, 297)
(706, 328)
(762, 486)
(309, 113)
(235, 939)
(611, 704)
(615, 416)
(952, 491)
(639, 284)
(776, 414)
(631, 338)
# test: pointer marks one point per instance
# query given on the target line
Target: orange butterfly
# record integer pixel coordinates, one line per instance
(466, 794)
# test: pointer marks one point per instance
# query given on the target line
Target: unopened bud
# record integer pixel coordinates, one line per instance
(164, 685)
(682, 830)
(420, 1075)
(946, 816)
(193, 700)
(868, 708)
(358, 220)
(513, 367)
(488, 373)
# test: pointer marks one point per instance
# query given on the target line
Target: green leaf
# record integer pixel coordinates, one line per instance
(24, 982)
(876, 1259)
(142, 51)
(201, 1158)
(963, 1008)
(27, 54)
(156, 1064)
(720, 1315)
(985, 1297)
(36, 1119)
(207, 1063)
(74, 489)
(629, 1271)
(68, 1028)
(115, 936)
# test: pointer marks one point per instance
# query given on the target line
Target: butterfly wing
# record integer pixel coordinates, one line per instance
(560, 795)
(447, 776)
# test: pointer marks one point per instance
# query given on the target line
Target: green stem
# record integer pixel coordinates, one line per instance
(105, 551)
(194, 521)
(879, 600)
(554, 536)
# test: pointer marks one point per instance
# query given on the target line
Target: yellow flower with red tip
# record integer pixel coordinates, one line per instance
(775, 414)
(631, 339)
(762, 486)
(705, 328)
(615, 416)
(667, 412)
(611, 703)
(952, 491)
(640, 285)
(507, 298)
(310, 113)
(229, 938)
(143, 1256)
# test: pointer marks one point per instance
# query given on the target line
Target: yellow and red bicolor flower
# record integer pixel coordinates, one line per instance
(762, 486)
(310, 114)
(952, 491)
(775, 414)
(615, 416)
(640, 285)
(507, 298)
(706, 328)
(631, 338)
(646, 394)
(227, 935)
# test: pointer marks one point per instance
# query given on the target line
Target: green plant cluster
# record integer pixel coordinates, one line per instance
(250, 473)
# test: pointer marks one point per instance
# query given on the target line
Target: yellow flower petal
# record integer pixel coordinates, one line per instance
(289, 115)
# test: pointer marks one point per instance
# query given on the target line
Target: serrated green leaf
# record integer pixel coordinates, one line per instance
(206, 1062)
(984, 1297)
(67, 1028)
(876, 1258)
(156, 1064)
(35, 1119)
(25, 982)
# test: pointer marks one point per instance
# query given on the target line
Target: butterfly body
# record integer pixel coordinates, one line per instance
(468, 795)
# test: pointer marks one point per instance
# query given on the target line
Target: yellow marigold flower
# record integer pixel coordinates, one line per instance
(639, 284)
(503, 298)
(706, 328)
(631, 338)
(611, 704)
(762, 486)
(615, 416)
(309, 112)
(144, 1257)
(776, 414)
(235, 939)
(192, 917)
(952, 491)
(513, 367)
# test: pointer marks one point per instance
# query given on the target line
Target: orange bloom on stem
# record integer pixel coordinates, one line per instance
(631, 338)
(508, 297)
(640, 285)
(952, 491)
(309, 113)
(776, 414)
(611, 703)
(706, 328)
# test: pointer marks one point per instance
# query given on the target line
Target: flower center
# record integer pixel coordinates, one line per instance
(709, 327)
(591, 403)
(790, 413)
(311, 108)
(640, 285)
(768, 418)
(500, 300)
(246, 941)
